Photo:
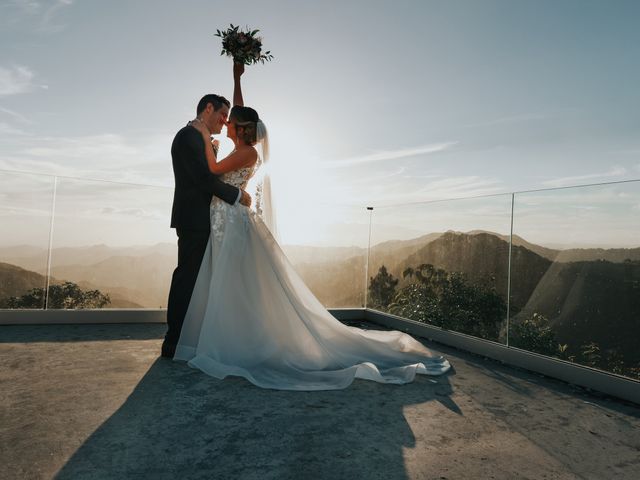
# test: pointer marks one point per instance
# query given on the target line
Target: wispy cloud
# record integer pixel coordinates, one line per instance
(442, 188)
(460, 187)
(49, 24)
(131, 212)
(41, 166)
(377, 177)
(13, 124)
(14, 115)
(88, 148)
(525, 117)
(8, 129)
(390, 155)
(27, 7)
(16, 79)
(110, 157)
(23, 13)
(612, 173)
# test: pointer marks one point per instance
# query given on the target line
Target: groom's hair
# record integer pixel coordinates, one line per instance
(216, 100)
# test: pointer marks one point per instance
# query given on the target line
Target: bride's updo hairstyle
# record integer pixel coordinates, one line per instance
(245, 118)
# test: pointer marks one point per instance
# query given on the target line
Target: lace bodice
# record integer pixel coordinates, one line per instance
(240, 178)
(237, 178)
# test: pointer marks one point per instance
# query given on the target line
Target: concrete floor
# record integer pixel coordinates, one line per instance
(96, 402)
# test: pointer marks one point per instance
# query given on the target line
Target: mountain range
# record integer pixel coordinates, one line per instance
(586, 293)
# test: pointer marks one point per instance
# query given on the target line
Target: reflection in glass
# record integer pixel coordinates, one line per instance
(327, 245)
(576, 281)
(112, 245)
(25, 221)
(443, 263)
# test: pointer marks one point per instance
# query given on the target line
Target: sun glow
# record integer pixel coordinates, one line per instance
(309, 212)
(311, 206)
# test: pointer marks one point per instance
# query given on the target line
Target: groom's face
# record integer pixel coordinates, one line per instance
(217, 118)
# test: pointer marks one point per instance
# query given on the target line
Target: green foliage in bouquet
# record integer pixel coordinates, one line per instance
(243, 46)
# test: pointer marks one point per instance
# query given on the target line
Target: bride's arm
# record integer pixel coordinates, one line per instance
(245, 157)
(208, 147)
(238, 70)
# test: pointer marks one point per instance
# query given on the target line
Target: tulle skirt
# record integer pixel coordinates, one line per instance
(251, 315)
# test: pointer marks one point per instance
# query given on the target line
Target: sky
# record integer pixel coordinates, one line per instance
(373, 102)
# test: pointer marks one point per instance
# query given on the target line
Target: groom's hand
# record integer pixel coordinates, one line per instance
(245, 199)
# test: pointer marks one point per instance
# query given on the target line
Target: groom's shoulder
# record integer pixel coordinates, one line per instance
(186, 131)
(186, 134)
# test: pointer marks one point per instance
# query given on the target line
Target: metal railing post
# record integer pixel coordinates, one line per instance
(366, 274)
(49, 254)
(509, 271)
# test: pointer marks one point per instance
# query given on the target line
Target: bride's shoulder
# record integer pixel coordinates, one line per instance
(249, 153)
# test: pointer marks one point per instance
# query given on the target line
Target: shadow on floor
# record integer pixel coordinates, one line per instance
(81, 332)
(526, 383)
(180, 423)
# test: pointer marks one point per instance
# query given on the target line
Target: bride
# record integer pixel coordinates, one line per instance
(251, 315)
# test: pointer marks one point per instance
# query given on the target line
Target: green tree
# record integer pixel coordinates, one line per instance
(613, 361)
(382, 289)
(448, 300)
(474, 309)
(415, 303)
(535, 335)
(590, 354)
(564, 354)
(421, 301)
(67, 295)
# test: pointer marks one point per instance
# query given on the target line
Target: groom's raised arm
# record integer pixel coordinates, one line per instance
(195, 163)
(238, 70)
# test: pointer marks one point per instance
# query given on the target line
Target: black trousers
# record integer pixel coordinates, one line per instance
(191, 247)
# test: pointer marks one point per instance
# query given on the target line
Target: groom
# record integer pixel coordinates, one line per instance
(194, 187)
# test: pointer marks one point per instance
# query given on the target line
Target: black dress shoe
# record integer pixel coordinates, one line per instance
(168, 349)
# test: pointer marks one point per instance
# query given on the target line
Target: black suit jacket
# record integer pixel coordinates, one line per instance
(194, 183)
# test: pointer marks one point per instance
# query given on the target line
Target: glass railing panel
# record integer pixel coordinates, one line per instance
(25, 220)
(443, 263)
(327, 245)
(112, 245)
(576, 275)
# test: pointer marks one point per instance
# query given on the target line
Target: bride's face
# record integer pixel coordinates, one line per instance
(231, 130)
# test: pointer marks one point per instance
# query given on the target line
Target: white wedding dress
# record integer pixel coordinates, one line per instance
(251, 315)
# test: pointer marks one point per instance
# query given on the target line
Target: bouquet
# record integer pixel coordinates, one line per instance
(243, 46)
